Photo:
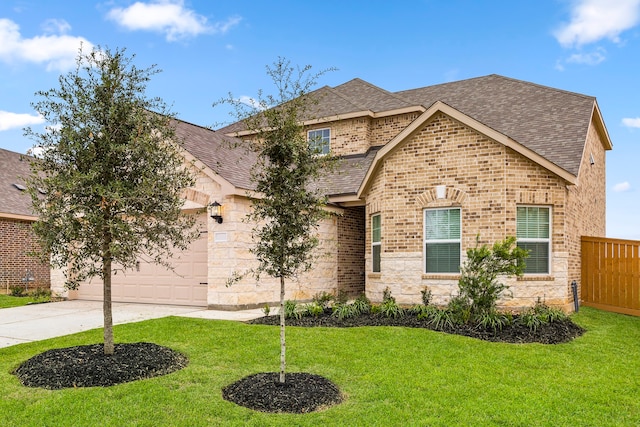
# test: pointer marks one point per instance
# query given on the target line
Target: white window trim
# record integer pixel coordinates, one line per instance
(424, 240)
(374, 243)
(320, 130)
(538, 239)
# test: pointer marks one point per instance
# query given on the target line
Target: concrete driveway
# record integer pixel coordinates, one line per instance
(41, 321)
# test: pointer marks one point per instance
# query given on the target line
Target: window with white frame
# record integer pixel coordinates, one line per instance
(376, 238)
(442, 240)
(320, 140)
(533, 233)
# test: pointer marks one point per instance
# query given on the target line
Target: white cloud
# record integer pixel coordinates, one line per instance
(251, 102)
(594, 20)
(632, 123)
(10, 120)
(55, 51)
(593, 58)
(169, 17)
(622, 187)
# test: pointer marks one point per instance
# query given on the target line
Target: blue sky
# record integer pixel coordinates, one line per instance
(207, 49)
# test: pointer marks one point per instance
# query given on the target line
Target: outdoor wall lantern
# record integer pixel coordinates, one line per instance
(216, 212)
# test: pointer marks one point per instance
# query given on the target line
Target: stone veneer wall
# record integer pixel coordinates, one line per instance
(17, 240)
(487, 180)
(351, 251)
(229, 253)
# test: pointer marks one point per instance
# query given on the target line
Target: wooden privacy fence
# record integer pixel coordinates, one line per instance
(611, 274)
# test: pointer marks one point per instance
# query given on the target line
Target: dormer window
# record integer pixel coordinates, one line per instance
(320, 140)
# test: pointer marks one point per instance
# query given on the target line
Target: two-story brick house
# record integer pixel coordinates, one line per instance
(424, 173)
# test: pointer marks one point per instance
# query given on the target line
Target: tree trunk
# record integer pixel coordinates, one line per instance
(106, 302)
(283, 346)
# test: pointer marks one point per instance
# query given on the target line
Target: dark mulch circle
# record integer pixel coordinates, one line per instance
(300, 393)
(550, 333)
(88, 366)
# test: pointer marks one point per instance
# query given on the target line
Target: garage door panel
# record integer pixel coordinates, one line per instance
(152, 283)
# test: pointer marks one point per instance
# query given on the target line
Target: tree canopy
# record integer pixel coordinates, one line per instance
(107, 183)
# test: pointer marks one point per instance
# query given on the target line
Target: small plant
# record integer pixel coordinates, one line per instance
(426, 296)
(314, 309)
(17, 291)
(292, 310)
(41, 294)
(266, 310)
(362, 305)
(441, 319)
(493, 320)
(540, 314)
(323, 299)
(389, 306)
(343, 311)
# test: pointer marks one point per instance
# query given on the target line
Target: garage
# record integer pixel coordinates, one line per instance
(151, 283)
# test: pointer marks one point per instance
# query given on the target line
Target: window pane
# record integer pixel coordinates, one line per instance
(376, 258)
(319, 140)
(442, 224)
(443, 257)
(375, 228)
(532, 223)
(538, 260)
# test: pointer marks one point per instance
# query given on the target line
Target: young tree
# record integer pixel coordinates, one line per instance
(289, 208)
(107, 184)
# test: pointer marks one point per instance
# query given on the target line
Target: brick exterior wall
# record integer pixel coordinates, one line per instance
(487, 180)
(586, 203)
(16, 241)
(351, 251)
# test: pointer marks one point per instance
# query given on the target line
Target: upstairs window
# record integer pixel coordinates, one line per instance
(442, 240)
(320, 140)
(533, 234)
(376, 244)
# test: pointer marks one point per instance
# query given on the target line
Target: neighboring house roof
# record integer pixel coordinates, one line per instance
(14, 202)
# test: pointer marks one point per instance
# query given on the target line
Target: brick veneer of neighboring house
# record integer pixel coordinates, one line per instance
(17, 240)
(16, 264)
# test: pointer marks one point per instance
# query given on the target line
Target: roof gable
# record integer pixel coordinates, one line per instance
(551, 122)
(440, 107)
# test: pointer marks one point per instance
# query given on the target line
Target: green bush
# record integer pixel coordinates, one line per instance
(292, 310)
(17, 291)
(479, 289)
(540, 314)
(323, 299)
(314, 309)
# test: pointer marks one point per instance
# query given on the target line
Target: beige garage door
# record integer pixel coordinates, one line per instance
(151, 283)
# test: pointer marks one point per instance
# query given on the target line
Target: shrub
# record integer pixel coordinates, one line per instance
(17, 291)
(478, 284)
(362, 304)
(266, 309)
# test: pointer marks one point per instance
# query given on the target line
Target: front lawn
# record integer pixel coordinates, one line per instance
(390, 376)
(7, 301)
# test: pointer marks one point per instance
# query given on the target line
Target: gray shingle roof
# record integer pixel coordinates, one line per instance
(14, 167)
(551, 122)
(227, 156)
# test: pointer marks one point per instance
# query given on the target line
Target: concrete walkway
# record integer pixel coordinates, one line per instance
(41, 321)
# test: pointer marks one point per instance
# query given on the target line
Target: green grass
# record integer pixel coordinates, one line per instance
(7, 301)
(390, 376)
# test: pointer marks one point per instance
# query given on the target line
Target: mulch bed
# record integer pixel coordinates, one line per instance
(551, 333)
(300, 393)
(88, 366)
